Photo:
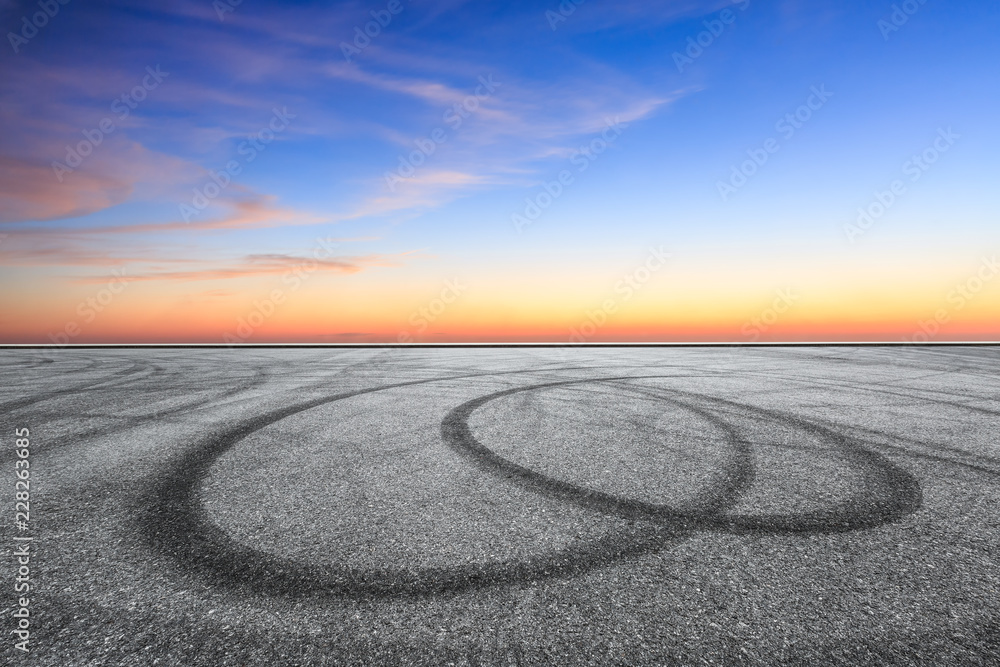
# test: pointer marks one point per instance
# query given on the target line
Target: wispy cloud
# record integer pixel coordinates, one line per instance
(253, 266)
(509, 135)
(29, 192)
(222, 87)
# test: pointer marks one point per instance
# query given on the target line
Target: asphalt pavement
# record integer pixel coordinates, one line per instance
(504, 506)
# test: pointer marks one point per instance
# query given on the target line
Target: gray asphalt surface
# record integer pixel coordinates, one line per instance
(640, 506)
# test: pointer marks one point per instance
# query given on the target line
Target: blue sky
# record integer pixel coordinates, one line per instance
(553, 86)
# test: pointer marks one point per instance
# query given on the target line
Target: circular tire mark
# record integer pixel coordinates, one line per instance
(176, 524)
(897, 493)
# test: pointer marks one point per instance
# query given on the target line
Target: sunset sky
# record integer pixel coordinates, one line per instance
(220, 172)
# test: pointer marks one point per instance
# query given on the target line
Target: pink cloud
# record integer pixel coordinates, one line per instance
(29, 191)
(263, 265)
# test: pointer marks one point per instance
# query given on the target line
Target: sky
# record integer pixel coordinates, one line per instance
(393, 171)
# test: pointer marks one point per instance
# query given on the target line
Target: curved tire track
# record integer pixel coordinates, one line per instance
(893, 492)
(175, 523)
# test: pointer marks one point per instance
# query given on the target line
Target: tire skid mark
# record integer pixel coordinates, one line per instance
(125, 423)
(456, 433)
(122, 376)
(874, 389)
(26, 363)
(175, 524)
(900, 451)
(49, 365)
(894, 492)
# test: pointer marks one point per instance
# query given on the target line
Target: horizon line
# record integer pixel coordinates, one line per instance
(497, 344)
